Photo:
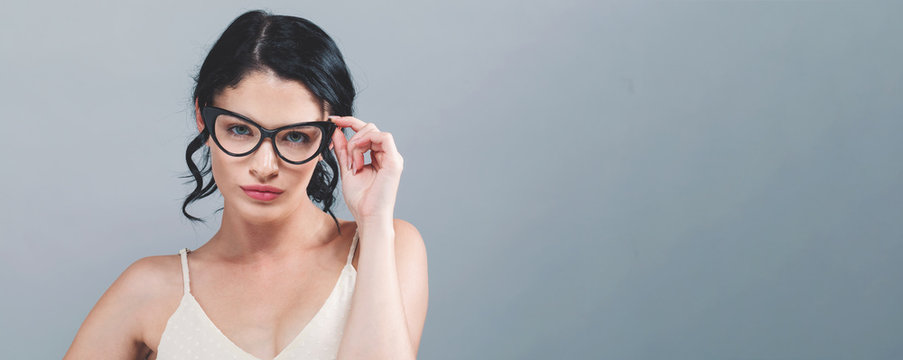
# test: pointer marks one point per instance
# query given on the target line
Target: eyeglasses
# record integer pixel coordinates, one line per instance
(237, 135)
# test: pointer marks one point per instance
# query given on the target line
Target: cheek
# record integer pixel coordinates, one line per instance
(303, 175)
(298, 177)
(222, 167)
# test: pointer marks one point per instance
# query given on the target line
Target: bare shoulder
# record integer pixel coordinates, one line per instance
(406, 227)
(129, 310)
(408, 237)
(147, 277)
(408, 241)
(410, 249)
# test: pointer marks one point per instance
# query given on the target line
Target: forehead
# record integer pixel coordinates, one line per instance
(270, 101)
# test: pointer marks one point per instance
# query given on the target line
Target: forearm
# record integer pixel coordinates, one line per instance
(376, 327)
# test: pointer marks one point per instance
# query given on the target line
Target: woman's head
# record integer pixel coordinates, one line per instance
(303, 67)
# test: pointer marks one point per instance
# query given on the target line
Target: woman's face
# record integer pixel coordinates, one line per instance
(271, 102)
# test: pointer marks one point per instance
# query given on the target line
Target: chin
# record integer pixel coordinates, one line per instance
(260, 213)
(262, 216)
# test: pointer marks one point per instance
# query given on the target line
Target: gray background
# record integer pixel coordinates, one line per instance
(618, 180)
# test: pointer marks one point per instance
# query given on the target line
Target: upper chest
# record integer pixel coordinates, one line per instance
(261, 312)
(190, 331)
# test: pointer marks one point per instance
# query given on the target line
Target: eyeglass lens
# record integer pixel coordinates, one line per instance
(295, 144)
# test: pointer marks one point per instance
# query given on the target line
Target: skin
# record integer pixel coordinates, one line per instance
(271, 265)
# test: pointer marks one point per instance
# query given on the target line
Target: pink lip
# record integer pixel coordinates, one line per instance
(262, 192)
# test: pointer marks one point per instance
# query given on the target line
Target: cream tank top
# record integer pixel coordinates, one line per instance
(191, 335)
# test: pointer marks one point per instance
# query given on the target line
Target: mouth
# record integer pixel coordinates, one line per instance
(262, 192)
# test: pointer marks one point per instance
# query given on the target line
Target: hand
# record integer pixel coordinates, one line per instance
(369, 189)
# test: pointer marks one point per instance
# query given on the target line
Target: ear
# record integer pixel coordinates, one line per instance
(197, 116)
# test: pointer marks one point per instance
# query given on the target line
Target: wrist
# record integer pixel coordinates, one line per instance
(380, 225)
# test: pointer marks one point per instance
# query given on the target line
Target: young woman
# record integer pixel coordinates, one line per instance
(282, 278)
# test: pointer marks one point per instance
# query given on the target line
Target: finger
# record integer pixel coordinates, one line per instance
(382, 150)
(348, 121)
(341, 150)
(378, 141)
(346, 155)
(356, 159)
(369, 127)
(357, 150)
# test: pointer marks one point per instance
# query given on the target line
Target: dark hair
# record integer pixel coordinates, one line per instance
(291, 47)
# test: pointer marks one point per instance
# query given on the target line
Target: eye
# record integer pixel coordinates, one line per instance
(239, 130)
(296, 137)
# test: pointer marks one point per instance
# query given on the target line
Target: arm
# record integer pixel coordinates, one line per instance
(112, 329)
(389, 306)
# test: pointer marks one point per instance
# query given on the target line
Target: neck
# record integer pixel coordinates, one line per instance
(304, 230)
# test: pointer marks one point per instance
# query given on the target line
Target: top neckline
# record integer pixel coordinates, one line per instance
(188, 297)
(347, 269)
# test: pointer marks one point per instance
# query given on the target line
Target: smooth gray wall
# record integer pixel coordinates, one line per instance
(610, 180)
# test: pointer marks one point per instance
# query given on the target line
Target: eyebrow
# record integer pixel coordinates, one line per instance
(280, 126)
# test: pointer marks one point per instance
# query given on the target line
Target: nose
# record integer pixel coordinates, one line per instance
(264, 162)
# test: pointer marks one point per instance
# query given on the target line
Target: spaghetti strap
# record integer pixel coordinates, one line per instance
(353, 244)
(184, 254)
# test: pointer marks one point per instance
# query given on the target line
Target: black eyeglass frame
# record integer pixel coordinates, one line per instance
(210, 113)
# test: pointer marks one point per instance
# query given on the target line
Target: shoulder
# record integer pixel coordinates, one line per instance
(119, 321)
(145, 286)
(147, 279)
(406, 234)
(153, 285)
(409, 245)
(410, 249)
(152, 276)
(150, 268)
(142, 282)
(410, 258)
(408, 241)
(403, 229)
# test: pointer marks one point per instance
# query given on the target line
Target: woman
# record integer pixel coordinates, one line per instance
(280, 277)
